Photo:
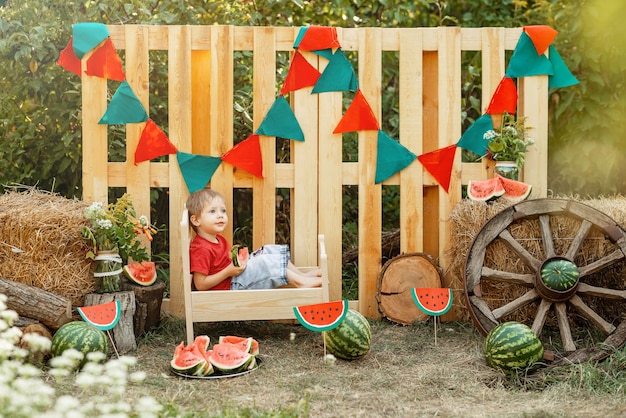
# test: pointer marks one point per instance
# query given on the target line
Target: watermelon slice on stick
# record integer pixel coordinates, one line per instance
(104, 316)
(433, 301)
(321, 317)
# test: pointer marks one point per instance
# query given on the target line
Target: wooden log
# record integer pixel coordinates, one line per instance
(32, 302)
(395, 281)
(123, 333)
(148, 300)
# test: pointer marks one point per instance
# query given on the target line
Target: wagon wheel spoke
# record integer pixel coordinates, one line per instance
(516, 304)
(540, 316)
(585, 226)
(602, 263)
(566, 332)
(546, 235)
(527, 257)
(508, 277)
(591, 315)
(601, 292)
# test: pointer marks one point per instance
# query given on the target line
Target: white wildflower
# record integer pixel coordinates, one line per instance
(137, 377)
(37, 342)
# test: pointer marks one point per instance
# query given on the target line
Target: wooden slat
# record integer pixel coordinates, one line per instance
(179, 103)
(449, 82)
(370, 199)
(411, 129)
(264, 91)
(138, 75)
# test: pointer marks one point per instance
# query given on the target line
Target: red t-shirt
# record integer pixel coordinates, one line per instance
(208, 258)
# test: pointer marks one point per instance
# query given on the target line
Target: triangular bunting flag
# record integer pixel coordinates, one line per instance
(87, 36)
(562, 76)
(69, 60)
(541, 35)
(525, 61)
(197, 170)
(301, 74)
(439, 164)
(337, 76)
(153, 143)
(106, 63)
(504, 99)
(246, 155)
(280, 121)
(124, 108)
(358, 117)
(324, 53)
(317, 37)
(392, 157)
(473, 138)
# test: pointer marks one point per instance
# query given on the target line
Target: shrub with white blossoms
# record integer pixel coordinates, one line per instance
(99, 386)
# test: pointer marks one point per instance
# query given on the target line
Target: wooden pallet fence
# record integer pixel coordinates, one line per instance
(200, 121)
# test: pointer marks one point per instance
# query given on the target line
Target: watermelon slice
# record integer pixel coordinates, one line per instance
(514, 190)
(434, 301)
(239, 255)
(484, 190)
(322, 316)
(103, 316)
(144, 273)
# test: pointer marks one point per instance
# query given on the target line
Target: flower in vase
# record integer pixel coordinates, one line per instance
(510, 141)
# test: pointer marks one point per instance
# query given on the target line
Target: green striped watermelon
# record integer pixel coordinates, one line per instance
(80, 336)
(559, 274)
(351, 339)
(512, 346)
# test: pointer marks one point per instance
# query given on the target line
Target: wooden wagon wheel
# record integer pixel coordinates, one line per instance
(486, 283)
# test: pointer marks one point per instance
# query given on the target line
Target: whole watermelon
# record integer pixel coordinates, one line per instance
(351, 339)
(80, 336)
(512, 346)
(559, 274)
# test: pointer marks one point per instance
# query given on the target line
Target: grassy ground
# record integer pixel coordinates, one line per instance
(405, 374)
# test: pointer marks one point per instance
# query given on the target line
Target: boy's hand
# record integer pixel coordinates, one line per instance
(236, 270)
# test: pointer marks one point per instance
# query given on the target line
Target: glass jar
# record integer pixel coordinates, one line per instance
(107, 270)
(507, 169)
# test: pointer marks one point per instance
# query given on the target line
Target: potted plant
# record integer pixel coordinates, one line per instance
(507, 145)
(112, 234)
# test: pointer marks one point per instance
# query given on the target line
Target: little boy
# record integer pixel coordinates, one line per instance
(209, 253)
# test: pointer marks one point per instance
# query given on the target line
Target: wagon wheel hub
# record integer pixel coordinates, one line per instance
(557, 279)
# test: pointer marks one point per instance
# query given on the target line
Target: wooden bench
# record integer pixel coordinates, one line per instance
(245, 305)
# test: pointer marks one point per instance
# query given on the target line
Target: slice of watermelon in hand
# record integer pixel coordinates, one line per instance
(239, 255)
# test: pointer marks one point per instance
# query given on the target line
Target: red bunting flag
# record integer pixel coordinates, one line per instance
(541, 35)
(106, 63)
(246, 155)
(439, 164)
(69, 60)
(301, 74)
(153, 143)
(504, 99)
(358, 117)
(319, 37)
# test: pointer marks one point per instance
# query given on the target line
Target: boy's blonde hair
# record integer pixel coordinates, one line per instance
(197, 200)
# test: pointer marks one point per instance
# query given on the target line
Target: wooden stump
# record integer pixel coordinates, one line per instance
(148, 300)
(123, 333)
(395, 281)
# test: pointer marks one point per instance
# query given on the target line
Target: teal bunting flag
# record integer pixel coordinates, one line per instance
(197, 170)
(526, 62)
(562, 76)
(473, 139)
(391, 157)
(124, 107)
(86, 36)
(338, 75)
(280, 121)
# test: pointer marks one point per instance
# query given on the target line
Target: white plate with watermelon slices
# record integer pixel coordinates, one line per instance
(217, 374)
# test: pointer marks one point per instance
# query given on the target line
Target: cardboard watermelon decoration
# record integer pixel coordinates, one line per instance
(321, 317)
(104, 316)
(433, 301)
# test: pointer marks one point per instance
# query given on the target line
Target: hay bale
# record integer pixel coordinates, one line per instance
(41, 243)
(468, 218)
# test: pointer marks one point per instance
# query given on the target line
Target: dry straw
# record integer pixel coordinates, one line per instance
(41, 243)
(467, 220)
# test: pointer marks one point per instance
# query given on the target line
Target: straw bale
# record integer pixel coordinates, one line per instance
(468, 218)
(41, 243)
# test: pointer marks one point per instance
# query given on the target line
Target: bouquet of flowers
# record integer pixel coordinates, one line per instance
(510, 141)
